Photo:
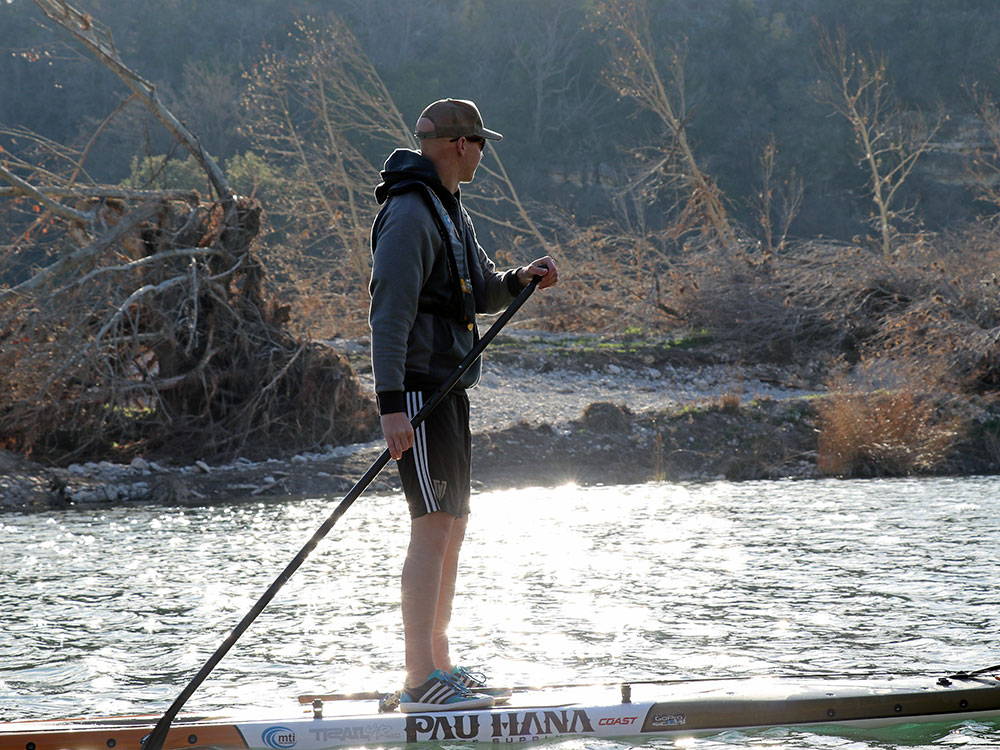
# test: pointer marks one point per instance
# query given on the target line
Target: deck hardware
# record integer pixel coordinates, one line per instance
(388, 702)
(626, 693)
(317, 709)
(944, 682)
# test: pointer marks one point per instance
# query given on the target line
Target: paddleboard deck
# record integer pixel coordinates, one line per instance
(631, 710)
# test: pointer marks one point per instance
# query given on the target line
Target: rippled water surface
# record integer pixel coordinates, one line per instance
(115, 610)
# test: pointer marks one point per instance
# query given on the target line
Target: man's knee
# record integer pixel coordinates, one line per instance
(432, 530)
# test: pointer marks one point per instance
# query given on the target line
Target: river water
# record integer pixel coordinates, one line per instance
(114, 610)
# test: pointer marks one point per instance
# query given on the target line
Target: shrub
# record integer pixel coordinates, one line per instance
(883, 434)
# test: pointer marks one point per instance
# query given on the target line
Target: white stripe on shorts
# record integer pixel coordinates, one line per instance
(414, 402)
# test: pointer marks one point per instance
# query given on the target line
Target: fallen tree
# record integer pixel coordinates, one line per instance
(146, 325)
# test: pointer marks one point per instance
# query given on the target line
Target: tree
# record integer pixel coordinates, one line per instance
(637, 72)
(985, 162)
(777, 202)
(891, 140)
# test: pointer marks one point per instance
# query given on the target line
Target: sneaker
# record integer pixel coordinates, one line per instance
(476, 682)
(441, 693)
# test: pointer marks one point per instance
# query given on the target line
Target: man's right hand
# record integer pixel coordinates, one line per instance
(398, 433)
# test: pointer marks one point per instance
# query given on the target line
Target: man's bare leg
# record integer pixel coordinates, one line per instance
(423, 570)
(446, 594)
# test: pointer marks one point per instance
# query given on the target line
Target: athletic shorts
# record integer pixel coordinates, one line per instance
(435, 472)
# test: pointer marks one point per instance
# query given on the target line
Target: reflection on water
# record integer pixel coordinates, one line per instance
(114, 610)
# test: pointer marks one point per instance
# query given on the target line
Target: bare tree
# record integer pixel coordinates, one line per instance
(311, 114)
(777, 202)
(890, 140)
(545, 50)
(985, 162)
(318, 114)
(657, 84)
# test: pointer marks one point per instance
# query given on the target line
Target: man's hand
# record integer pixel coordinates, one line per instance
(398, 433)
(544, 267)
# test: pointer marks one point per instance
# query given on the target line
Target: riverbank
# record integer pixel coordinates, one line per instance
(550, 409)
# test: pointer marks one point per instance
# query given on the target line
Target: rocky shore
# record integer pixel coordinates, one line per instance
(550, 409)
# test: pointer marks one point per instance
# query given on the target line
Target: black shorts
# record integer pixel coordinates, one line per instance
(435, 472)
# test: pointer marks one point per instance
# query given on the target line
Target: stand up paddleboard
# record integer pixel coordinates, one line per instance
(638, 709)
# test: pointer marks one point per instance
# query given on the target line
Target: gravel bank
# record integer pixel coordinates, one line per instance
(578, 407)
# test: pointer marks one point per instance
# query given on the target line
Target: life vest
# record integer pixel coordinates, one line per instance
(463, 307)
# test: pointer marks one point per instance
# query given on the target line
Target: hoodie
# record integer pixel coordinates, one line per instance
(429, 278)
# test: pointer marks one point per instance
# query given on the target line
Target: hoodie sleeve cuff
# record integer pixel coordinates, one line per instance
(390, 402)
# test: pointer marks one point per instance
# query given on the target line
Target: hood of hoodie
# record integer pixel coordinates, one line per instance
(404, 164)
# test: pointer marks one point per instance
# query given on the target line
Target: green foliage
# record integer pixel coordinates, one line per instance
(248, 174)
(164, 173)
(251, 175)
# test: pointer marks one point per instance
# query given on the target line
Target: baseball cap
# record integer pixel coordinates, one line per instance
(452, 118)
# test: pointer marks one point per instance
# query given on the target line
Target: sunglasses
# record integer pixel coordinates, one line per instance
(478, 140)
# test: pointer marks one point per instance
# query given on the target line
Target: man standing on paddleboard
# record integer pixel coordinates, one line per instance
(430, 278)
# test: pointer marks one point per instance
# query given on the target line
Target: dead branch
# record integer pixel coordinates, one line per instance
(74, 259)
(165, 255)
(507, 196)
(312, 116)
(24, 188)
(150, 289)
(104, 191)
(97, 38)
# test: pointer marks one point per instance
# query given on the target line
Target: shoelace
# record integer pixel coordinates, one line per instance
(453, 681)
(475, 679)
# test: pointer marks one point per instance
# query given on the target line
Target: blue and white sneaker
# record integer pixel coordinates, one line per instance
(476, 682)
(441, 692)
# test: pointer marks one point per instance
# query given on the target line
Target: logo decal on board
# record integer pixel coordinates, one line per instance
(506, 725)
(616, 721)
(659, 721)
(280, 738)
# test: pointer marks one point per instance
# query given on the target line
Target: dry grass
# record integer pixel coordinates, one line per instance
(728, 402)
(883, 434)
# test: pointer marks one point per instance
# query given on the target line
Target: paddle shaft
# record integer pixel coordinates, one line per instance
(157, 737)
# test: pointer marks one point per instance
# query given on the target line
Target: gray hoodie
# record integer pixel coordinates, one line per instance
(426, 289)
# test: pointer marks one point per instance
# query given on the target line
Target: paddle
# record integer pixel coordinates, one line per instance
(157, 737)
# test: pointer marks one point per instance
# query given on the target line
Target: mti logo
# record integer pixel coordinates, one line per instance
(280, 738)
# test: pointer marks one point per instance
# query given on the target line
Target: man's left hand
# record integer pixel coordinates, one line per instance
(544, 267)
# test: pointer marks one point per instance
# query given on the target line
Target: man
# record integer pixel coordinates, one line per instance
(429, 279)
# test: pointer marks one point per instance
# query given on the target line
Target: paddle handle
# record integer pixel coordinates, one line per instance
(157, 737)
